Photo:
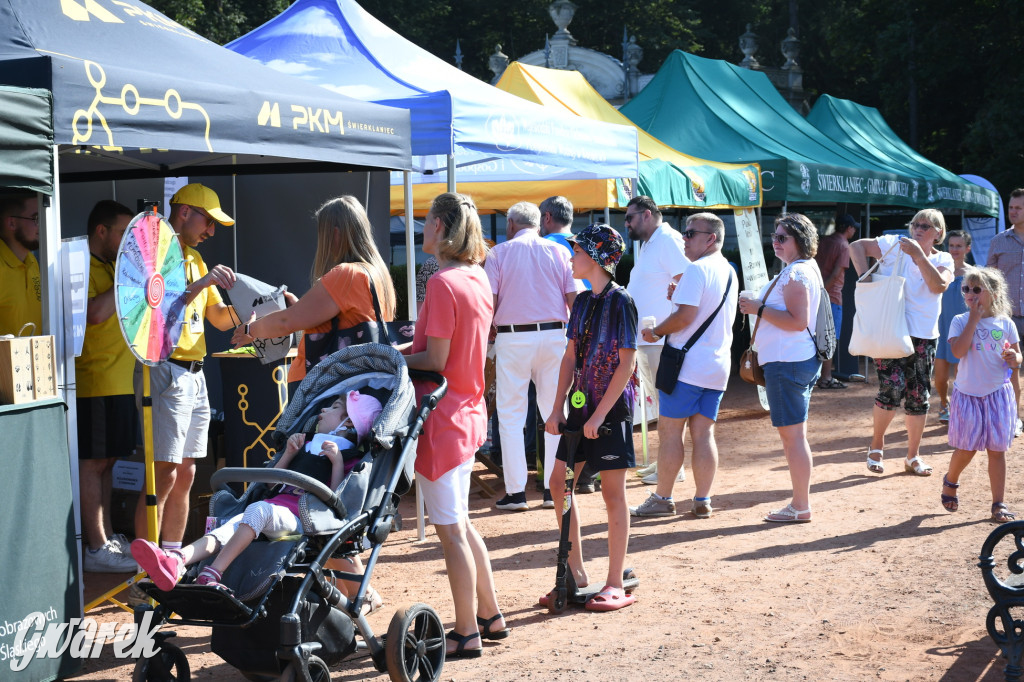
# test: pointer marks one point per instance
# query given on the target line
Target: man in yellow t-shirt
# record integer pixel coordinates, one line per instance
(20, 288)
(107, 418)
(181, 405)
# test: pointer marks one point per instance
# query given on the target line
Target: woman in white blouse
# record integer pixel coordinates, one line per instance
(787, 353)
(928, 272)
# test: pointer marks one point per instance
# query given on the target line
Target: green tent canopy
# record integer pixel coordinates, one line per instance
(26, 136)
(715, 110)
(862, 129)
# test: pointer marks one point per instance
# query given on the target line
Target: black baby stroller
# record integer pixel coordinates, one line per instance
(284, 618)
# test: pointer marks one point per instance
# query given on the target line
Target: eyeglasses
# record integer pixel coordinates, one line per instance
(689, 233)
(779, 238)
(977, 290)
(209, 220)
(921, 226)
(34, 218)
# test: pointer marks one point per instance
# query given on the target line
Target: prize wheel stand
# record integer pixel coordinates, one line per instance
(150, 297)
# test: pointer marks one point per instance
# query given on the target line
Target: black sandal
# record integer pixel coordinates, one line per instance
(460, 650)
(1001, 513)
(830, 383)
(485, 631)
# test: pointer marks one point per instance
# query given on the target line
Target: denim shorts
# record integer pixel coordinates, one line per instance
(687, 400)
(789, 385)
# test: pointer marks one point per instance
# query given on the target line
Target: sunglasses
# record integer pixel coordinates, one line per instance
(688, 234)
(922, 226)
(779, 238)
(977, 290)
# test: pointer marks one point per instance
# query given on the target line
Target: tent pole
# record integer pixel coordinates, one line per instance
(607, 216)
(410, 284)
(451, 172)
(234, 213)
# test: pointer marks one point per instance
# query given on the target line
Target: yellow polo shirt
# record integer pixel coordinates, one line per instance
(20, 292)
(106, 364)
(192, 344)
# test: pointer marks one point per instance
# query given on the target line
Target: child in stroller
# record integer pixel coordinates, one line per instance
(328, 456)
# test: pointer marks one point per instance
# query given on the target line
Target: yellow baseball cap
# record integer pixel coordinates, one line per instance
(201, 196)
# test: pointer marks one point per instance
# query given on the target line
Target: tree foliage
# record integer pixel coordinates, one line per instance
(942, 73)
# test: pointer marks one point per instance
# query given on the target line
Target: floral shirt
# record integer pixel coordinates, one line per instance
(600, 324)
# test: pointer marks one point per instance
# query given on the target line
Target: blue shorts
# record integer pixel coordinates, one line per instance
(687, 400)
(789, 385)
(837, 317)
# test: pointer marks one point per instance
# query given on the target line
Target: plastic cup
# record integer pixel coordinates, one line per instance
(649, 322)
(747, 293)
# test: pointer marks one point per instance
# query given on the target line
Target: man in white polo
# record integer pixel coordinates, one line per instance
(707, 291)
(531, 279)
(659, 262)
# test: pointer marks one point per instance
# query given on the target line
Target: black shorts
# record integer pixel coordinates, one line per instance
(107, 427)
(604, 453)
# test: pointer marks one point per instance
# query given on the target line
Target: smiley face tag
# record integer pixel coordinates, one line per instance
(577, 399)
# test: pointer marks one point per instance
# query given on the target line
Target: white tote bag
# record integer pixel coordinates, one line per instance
(880, 323)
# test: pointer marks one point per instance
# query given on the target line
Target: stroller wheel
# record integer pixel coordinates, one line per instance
(318, 671)
(168, 665)
(414, 647)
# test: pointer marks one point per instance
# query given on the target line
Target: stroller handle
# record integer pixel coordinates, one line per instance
(272, 476)
(434, 378)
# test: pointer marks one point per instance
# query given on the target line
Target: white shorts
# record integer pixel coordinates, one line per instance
(447, 498)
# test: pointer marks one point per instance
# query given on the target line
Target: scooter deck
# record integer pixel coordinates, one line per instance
(580, 595)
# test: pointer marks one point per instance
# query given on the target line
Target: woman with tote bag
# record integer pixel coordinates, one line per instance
(907, 380)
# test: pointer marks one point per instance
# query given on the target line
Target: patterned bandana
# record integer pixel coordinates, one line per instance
(602, 243)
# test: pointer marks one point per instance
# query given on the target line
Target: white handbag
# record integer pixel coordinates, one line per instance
(880, 322)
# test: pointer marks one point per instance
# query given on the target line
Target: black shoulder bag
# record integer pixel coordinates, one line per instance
(672, 358)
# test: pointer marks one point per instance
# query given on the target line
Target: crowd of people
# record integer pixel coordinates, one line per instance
(547, 301)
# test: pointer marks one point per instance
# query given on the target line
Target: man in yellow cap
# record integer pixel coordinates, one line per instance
(20, 291)
(181, 405)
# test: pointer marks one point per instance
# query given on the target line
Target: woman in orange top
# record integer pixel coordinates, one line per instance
(345, 252)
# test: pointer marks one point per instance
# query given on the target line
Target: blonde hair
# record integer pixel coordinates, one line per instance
(992, 280)
(463, 238)
(933, 216)
(344, 235)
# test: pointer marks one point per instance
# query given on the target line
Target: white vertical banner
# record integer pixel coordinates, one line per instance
(755, 274)
(171, 187)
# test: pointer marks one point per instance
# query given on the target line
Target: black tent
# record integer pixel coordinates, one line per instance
(137, 95)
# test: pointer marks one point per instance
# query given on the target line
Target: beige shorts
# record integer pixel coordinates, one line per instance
(180, 413)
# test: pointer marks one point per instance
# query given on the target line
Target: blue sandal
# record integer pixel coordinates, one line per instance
(950, 502)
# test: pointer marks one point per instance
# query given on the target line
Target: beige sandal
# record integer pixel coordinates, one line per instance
(917, 467)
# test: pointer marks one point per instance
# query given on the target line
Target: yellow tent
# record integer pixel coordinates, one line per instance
(670, 177)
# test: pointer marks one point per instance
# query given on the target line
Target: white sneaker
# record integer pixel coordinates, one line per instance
(652, 479)
(647, 470)
(1019, 429)
(121, 542)
(107, 559)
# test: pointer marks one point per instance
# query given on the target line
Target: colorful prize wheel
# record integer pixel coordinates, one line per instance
(150, 288)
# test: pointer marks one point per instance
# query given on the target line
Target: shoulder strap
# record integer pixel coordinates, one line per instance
(707, 323)
(878, 262)
(757, 324)
(383, 328)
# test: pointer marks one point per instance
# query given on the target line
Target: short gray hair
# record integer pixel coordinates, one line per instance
(560, 209)
(524, 213)
(712, 221)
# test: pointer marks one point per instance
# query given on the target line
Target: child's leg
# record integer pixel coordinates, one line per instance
(613, 490)
(202, 548)
(942, 380)
(242, 538)
(958, 462)
(997, 474)
(576, 551)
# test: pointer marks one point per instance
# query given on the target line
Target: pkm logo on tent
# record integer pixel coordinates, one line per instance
(505, 130)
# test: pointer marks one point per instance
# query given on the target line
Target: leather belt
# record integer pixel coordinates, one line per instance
(534, 327)
(193, 366)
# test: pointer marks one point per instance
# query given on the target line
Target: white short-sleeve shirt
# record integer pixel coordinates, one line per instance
(657, 263)
(983, 369)
(922, 306)
(778, 345)
(709, 360)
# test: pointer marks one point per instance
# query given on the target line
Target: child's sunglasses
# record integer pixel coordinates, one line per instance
(966, 289)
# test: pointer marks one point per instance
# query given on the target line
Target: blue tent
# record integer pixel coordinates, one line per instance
(491, 135)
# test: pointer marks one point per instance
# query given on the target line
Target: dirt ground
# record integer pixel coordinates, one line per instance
(883, 584)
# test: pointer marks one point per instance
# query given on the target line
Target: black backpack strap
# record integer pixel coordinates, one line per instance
(383, 328)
